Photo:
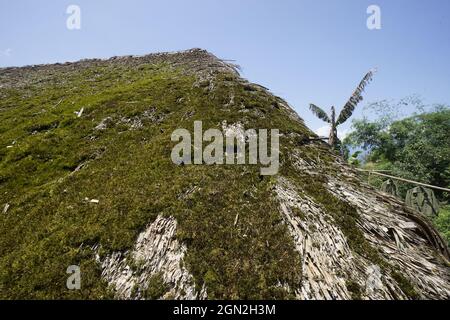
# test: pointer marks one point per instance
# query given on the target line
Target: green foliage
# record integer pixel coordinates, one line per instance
(353, 160)
(416, 148)
(442, 222)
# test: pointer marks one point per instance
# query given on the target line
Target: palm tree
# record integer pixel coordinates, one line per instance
(346, 112)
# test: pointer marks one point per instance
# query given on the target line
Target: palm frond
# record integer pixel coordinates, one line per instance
(356, 98)
(319, 113)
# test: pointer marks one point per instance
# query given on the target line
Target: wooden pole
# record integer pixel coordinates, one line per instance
(405, 180)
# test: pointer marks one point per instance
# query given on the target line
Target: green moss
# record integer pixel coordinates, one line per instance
(344, 214)
(346, 217)
(354, 288)
(299, 213)
(156, 287)
(130, 172)
(442, 223)
(405, 285)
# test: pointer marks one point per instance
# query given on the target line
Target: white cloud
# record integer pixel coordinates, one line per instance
(6, 52)
(342, 133)
(325, 131)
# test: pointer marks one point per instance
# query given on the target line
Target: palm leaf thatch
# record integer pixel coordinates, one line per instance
(356, 98)
(319, 113)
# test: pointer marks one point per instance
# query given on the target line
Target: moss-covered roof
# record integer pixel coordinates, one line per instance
(54, 161)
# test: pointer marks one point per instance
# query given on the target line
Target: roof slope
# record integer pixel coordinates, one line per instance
(101, 130)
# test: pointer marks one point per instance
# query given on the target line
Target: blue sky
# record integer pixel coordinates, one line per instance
(303, 50)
